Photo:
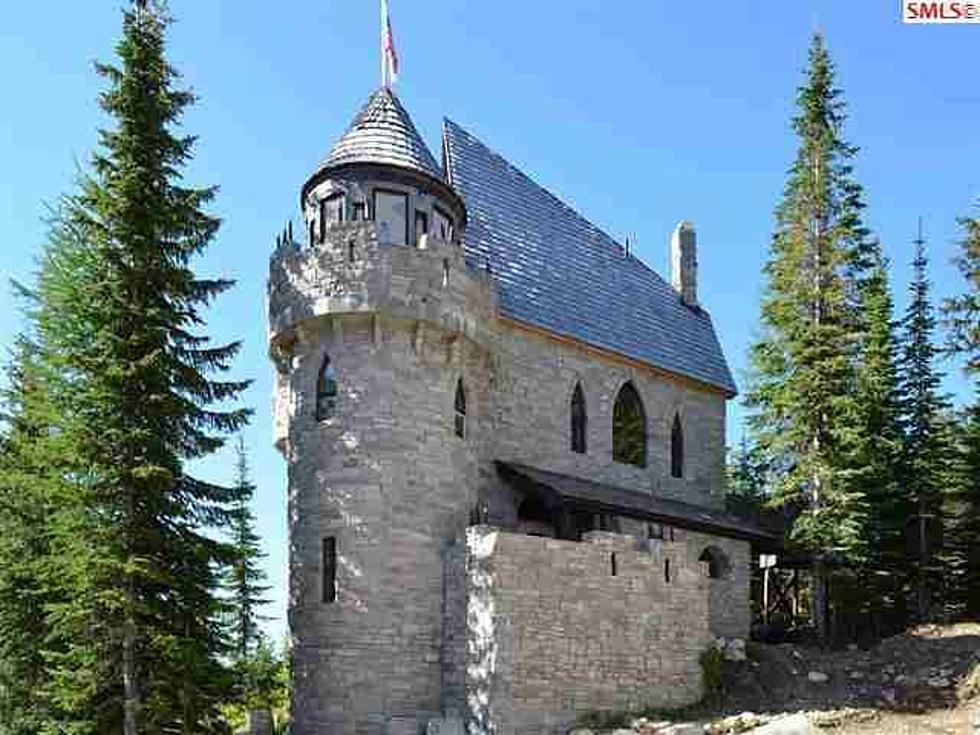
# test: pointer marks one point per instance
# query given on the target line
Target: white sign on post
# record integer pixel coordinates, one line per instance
(766, 561)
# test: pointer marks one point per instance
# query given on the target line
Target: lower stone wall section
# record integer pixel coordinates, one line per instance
(556, 628)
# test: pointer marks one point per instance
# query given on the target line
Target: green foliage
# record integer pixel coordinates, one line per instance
(805, 366)
(963, 312)
(747, 472)
(245, 574)
(114, 397)
(264, 679)
(712, 662)
(928, 440)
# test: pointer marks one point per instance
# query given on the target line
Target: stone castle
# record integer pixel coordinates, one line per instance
(505, 445)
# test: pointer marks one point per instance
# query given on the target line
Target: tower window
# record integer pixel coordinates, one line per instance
(329, 569)
(445, 272)
(629, 428)
(459, 406)
(677, 448)
(359, 212)
(442, 225)
(578, 417)
(391, 214)
(421, 224)
(326, 390)
(312, 231)
(331, 212)
(351, 252)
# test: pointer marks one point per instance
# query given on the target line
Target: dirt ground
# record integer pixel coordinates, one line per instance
(926, 682)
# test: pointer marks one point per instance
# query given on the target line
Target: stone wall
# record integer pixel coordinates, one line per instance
(385, 475)
(553, 632)
(534, 377)
(388, 479)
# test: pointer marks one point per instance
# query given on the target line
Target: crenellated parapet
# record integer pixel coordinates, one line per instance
(350, 271)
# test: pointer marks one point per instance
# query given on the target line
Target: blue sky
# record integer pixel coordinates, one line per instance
(637, 114)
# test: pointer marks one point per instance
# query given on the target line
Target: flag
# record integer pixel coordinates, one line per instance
(389, 57)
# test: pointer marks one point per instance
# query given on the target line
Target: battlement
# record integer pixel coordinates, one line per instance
(352, 272)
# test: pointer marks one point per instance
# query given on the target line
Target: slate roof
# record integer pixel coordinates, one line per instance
(575, 491)
(556, 270)
(383, 133)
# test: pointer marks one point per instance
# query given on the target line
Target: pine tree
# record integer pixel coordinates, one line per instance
(963, 312)
(802, 391)
(135, 639)
(877, 446)
(245, 578)
(927, 448)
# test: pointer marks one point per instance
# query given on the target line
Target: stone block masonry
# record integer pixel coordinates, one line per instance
(557, 628)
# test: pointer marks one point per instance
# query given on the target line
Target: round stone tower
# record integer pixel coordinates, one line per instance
(378, 333)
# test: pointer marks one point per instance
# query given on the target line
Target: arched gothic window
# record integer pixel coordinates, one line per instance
(326, 390)
(579, 418)
(629, 428)
(459, 406)
(677, 448)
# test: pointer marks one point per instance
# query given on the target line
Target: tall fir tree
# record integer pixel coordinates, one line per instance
(927, 444)
(135, 641)
(803, 369)
(877, 445)
(246, 579)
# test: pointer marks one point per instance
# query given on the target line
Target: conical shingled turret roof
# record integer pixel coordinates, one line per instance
(383, 133)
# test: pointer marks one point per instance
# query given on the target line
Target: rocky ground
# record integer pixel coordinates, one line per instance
(924, 682)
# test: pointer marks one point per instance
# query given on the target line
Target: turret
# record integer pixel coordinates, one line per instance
(381, 170)
(382, 386)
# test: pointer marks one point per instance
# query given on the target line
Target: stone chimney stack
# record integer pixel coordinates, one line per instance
(684, 262)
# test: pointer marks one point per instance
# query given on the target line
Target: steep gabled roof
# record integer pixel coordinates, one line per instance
(555, 270)
(383, 133)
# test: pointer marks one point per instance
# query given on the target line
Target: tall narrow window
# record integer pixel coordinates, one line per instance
(312, 232)
(629, 428)
(359, 212)
(329, 569)
(331, 211)
(442, 225)
(460, 410)
(421, 224)
(578, 419)
(326, 390)
(677, 448)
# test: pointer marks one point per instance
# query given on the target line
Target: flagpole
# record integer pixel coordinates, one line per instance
(384, 60)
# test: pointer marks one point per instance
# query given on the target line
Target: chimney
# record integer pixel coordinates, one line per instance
(684, 262)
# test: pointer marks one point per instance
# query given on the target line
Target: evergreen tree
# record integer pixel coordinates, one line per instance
(803, 382)
(877, 446)
(29, 462)
(963, 312)
(927, 445)
(245, 578)
(134, 638)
